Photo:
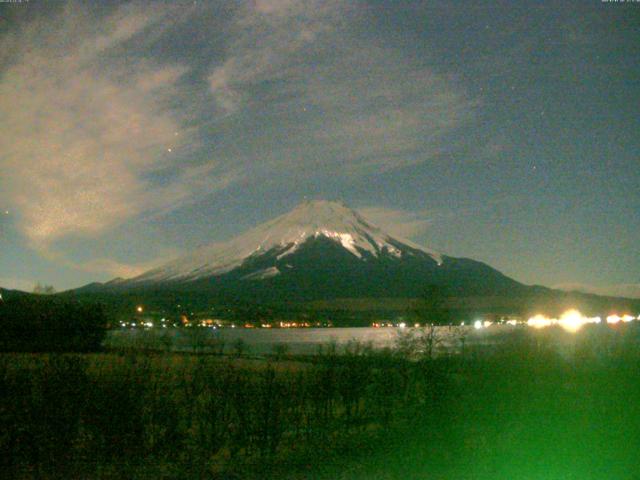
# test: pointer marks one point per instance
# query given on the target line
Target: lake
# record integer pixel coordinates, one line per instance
(305, 341)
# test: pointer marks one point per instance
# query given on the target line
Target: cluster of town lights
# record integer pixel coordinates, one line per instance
(616, 319)
(573, 320)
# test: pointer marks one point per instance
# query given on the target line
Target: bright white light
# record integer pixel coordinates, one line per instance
(402, 324)
(572, 320)
(613, 319)
(616, 319)
(512, 322)
(487, 323)
(477, 324)
(539, 321)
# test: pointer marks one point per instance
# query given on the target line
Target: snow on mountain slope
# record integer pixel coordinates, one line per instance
(283, 236)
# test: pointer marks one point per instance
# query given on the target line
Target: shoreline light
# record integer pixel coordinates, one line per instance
(539, 321)
(571, 320)
(613, 319)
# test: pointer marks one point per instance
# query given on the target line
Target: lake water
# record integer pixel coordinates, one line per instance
(302, 340)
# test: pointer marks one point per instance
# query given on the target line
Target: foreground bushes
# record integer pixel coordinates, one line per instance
(511, 412)
(76, 414)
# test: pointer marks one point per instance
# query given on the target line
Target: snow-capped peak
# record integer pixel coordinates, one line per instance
(286, 233)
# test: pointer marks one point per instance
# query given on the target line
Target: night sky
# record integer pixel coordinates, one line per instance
(503, 131)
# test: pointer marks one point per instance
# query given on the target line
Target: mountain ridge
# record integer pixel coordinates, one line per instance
(319, 250)
(286, 233)
(323, 253)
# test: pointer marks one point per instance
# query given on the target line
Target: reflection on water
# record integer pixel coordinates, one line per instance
(302, 340)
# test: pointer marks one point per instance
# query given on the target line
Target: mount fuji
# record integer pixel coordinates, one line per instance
(320, 250)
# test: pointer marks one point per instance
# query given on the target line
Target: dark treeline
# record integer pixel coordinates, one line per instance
(34, 323)
(434, 304)
(513, 411)
(430, 307)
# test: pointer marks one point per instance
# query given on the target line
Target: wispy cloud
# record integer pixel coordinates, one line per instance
(96, 131)
(266, 40)
(627, 290)
(84, 128)
(342, 102)
(114, 268)
(11, 283)
(397, 222)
